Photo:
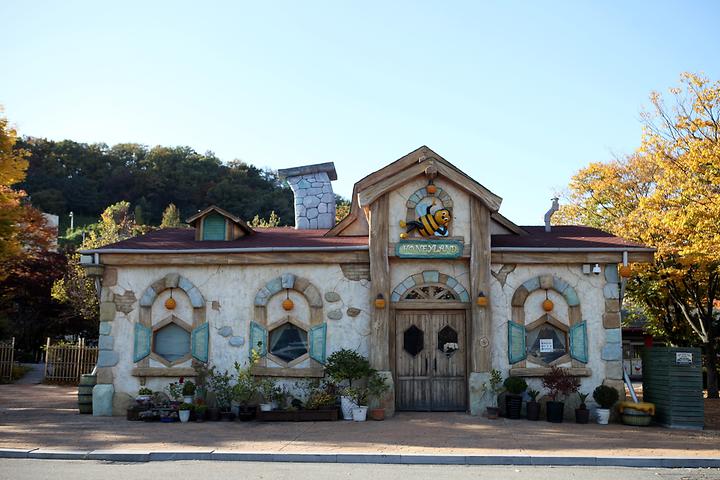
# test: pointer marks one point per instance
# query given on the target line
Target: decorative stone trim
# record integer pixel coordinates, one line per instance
(289, 281)
(172, 280)
(314, 201)
(356, 271)
(502, 274)
(429, 277)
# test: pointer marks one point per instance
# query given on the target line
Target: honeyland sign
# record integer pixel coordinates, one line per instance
(429, 249)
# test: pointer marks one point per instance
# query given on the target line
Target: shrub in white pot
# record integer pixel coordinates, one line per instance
(359, 396)
(184, 411)
(269, 392)
(344, 366)
(188, 391)
(606, 397)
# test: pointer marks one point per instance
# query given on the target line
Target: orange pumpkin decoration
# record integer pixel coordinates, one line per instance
(548, 305)
(379, 302)
(431, 189)
(288, 304)
(170, 303)
(625, 271)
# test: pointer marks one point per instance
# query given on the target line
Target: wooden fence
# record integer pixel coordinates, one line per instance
(7, 357)
(65, 363)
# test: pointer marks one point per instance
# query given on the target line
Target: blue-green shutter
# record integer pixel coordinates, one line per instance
(258, 338)
(142, 342)
(318, 335)
(199, 342)
(516, 342)
(214, 227)
(578, 342)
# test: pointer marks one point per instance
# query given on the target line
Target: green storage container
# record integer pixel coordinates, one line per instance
(672, 380)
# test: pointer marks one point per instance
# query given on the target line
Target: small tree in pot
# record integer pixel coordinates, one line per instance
(582, 414)
(533, 406)
(377, 387)
(493, 387)
(558, 382)
(606, 397)
(514, 386)
(344, 366)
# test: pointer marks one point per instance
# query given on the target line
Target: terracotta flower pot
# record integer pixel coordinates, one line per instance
(377, 414)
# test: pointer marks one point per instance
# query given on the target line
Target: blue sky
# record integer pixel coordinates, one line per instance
(520, 95)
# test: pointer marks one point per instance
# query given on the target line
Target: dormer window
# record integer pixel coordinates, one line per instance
(214, 223)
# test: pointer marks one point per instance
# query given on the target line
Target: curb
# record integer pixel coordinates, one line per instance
(387, 459)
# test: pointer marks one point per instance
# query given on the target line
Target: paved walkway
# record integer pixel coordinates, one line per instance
(45, 417)
(34, 376)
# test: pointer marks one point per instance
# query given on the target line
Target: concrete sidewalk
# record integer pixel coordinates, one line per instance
(39, 420)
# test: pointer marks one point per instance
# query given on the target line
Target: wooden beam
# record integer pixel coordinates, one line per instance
(569, 257)
(539, 372)
(490, 200)
(380, 274)
(250, 258)
(287, 372)
(430, 305)
(373, 192)
(163, 372)
(481, 325)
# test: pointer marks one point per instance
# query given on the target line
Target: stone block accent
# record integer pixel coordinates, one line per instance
(104, 376)
(103, 400)
(571, 297)
(431, 276)
(612, 306)
(612, 352)
(611, 273)
(478, 398)
(332, 297)
(546, 282)
(106, 342)
(335, 314)
(107, 311)
(611, 320)
(172, 280)
(121, 402)
(611, 290)
(196, 298)
(502, 274)
(215, 305)
(110, 276)
(125, 302)
(105, 328)
(313, 192)
(353, 312)
(559, 284)
(107, 358)
(313, 296)
(356, 271)
(613, 335)
(185, 284)
(237, 341)
(533, 284)
(274, 285)
(614, 370)
(287, 280)
(225, 331)
(148, 298)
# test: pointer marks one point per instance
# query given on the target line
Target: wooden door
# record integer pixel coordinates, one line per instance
(427, 377)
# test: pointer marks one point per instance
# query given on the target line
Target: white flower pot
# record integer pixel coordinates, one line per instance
(184, 415)
(188, 398)
(266, 407)
(603, 416)
(347, 405)
(359, 414)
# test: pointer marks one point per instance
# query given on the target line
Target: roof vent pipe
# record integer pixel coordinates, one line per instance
(554, 208)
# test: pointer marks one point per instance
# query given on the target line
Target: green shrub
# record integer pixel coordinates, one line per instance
(347, 365)
(605, 396)
(515, 385)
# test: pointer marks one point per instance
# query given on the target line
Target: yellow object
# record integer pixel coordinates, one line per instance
(403, 224)
(170, 303)
(482, 300)
(644, 407)
(403, 235)
(379, 302)
(625, 271)
(548, 305)
(288, 304)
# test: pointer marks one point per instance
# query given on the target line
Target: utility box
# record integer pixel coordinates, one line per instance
(672, 380)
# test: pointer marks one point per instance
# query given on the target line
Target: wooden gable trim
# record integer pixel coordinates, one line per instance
(228, 216)
(508, 224)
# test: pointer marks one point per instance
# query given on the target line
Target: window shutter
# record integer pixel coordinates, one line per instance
(142, 342)
(214, 227)
(199, 342)
(516, 342)
(318, 335)
(258, 335)
(578, 342)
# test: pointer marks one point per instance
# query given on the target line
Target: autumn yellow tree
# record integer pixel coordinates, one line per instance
(667, 195)
(12, 171)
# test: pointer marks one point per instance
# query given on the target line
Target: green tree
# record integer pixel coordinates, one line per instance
(171, 217)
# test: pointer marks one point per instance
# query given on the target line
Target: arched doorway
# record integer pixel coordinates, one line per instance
(430, 343)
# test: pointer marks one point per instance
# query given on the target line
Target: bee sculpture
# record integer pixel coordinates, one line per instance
(428, 224)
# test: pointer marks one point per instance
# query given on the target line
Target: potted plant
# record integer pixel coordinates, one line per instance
(514, 386)
(184, 410)
(533, 406)
(377, 387)
(559, 384)
(188, 391)
(606, 397)
(200, 411)
(582, 414)
(245, 389)
(359, 396)
(174, 391)
(144, 395)
(344, 366)
(269, 392)
(494, 387)
(221, 386)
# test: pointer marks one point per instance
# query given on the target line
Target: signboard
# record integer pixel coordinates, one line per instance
(683, 358)
(429, 249)
(546, 345)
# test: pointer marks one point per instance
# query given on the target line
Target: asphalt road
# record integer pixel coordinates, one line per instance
(21, 469)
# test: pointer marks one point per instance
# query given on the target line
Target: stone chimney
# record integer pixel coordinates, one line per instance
(314, 197)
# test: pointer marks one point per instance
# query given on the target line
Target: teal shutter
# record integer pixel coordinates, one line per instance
(199, 342)
(516, 342)
(258, 338)
(214, 227)
(318, 335)
(578, 342)
(142, 342)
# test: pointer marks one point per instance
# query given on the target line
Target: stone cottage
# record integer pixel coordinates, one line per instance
(424, 276)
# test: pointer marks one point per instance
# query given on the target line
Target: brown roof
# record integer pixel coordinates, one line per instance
(561, 237)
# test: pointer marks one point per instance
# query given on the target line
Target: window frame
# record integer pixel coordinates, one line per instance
(172, 319)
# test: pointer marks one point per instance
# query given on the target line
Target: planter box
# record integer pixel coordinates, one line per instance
(298, 416)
